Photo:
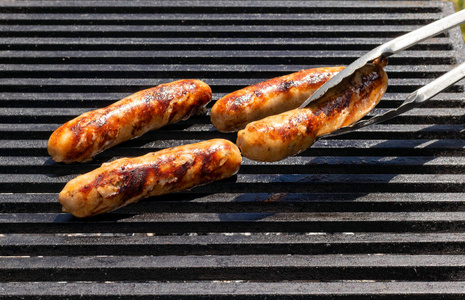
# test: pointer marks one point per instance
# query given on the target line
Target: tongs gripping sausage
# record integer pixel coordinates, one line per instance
(396, 45)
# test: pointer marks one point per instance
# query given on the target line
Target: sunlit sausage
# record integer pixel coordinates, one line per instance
(92, 132)
(128, 180)
(274, 96)
(277, 137)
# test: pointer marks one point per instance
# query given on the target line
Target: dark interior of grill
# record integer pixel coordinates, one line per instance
(375, 214)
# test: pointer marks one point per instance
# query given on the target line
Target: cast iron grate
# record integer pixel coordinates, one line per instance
(377, 214)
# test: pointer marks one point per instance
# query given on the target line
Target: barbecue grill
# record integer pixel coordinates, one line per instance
(375, 214)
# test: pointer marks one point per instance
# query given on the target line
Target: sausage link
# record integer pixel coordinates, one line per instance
(234, 111)
(128, 180)
(277, 137)
(92, 132)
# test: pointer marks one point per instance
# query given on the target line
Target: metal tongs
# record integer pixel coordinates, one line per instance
(396, 45)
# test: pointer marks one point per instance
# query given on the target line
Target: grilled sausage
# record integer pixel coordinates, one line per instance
(277, 137)
(274, 96)
(92, 132)
(127, 180)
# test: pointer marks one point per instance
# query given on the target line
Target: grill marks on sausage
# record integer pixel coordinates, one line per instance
(81, 137)
(213, 159)
(243, 99)
(150, 109)
(285, 85)
(170, 169)
(299, 123)
(310, 121)
(334, 107)
(95, 130)
(137, 180)
(134, 181)
(128, 180)
(282, 135)
(359, 90)
(143, 111)
(235, 110)
(252, 95)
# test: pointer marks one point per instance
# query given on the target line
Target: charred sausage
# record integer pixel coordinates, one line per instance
(277, 137)
(92, 132)
(128, 180)
(234, 111)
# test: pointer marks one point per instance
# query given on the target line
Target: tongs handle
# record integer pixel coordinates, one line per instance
(436, 86)
(414, 37)
(391, 47)
(413, 100)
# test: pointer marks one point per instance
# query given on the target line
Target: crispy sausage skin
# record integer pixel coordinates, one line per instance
(277, 137)
(92, 132)
(234, 111)
(127, 180)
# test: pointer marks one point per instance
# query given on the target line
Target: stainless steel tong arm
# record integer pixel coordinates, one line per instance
(413, 100)
(391, 47)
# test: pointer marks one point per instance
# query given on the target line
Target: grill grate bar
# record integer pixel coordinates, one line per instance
(207, 6)
(253, 222)
(210, 43)
(297, 267)
(218, 19)
(251, 290)
(218, 244)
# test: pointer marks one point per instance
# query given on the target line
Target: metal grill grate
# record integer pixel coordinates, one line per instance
(377, 214)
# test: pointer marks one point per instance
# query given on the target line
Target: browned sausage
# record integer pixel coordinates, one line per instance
(92, 132)
(277, 137)
(271, 97)
(128, 180)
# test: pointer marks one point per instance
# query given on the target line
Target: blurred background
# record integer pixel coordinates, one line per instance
(459, 4)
